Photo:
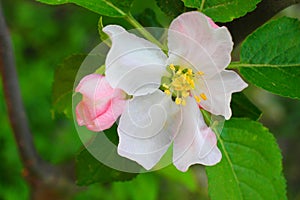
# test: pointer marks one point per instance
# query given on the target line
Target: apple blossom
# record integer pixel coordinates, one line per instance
(167, 91)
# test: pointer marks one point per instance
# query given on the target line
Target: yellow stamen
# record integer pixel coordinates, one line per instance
(179, 72)
(190, 82)
(193, 86)
(172, 67)
(203, 96)
(167, 92)
(181, 84)
(178, 101)
(197, 98)
(188, 79)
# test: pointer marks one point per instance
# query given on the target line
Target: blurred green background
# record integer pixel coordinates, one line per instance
(42, 37)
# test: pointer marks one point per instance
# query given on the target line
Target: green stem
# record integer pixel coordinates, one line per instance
(142, 30)
(202, 5)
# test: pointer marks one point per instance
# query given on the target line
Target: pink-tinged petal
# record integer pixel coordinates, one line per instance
(218, 90)
(195, 42)
(195, 142)
(133, 64)
(101, 105)
(212, 23)
(147, 128)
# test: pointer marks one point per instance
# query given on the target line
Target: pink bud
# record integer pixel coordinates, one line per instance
(101, 104)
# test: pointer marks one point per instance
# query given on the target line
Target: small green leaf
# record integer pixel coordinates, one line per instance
(111, 8)
(223, 10)
(270, 57)
(171, 8)
(241, 106)
(251, 165)
(62, 87)
(103, 36)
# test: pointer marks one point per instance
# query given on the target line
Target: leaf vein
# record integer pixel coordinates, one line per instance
(230, 163)
(222, 5)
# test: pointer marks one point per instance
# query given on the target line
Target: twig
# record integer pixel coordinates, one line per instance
(16, 112)
(46, 180)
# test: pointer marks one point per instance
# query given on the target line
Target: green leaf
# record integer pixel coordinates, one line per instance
(251, 164)
(223, 10)
(270, 57)
(89, 170)
(111, 8)
(62, 87)
(241, 106)
(171, 8)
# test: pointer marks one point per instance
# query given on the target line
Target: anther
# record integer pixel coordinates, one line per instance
(197, 99)
(167, 92)
(178, 101)
(200, 73)
(179, 72)
(203, 96)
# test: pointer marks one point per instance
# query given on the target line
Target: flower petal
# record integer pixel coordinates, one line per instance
(194, 42)
(218, 90)
(147, 128)
(133, 64)
(101, 105)
(195, 142)
(212, 23)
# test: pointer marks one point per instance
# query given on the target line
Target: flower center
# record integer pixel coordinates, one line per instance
(181, 84)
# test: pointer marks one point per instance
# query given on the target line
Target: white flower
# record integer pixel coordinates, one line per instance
(168, 91)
